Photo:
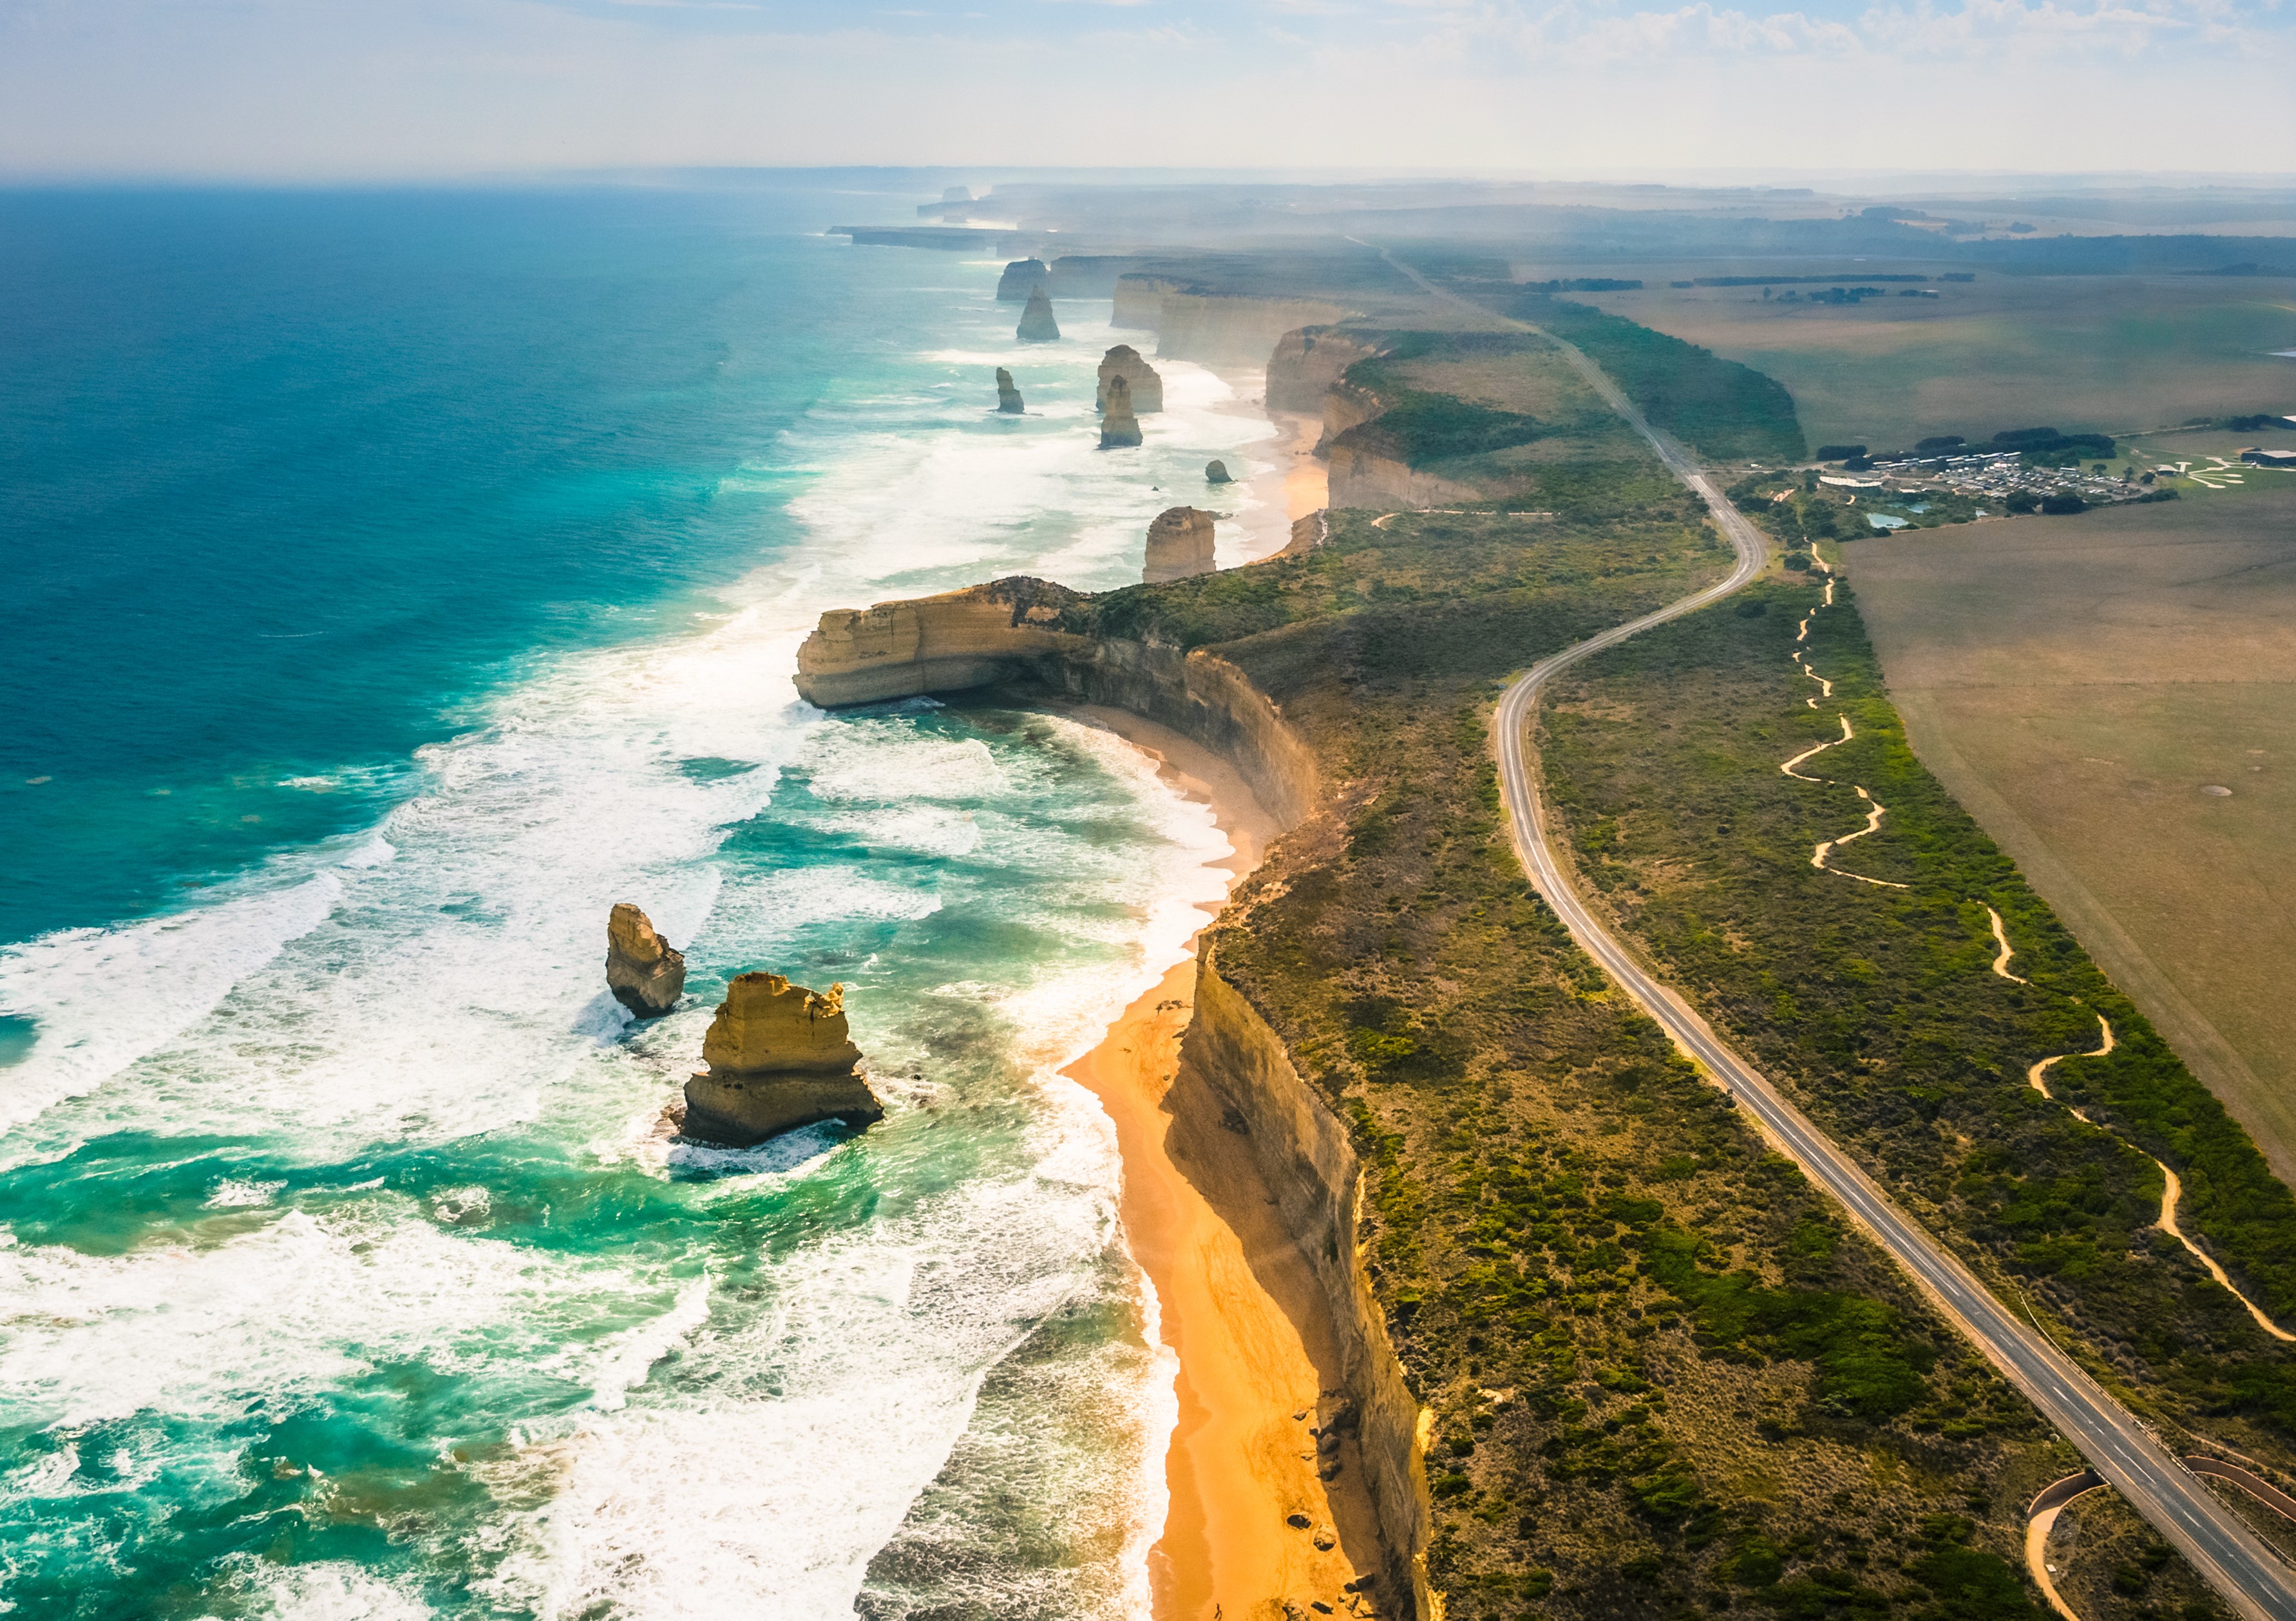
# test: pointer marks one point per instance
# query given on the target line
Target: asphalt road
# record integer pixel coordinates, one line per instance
(2227, 1555)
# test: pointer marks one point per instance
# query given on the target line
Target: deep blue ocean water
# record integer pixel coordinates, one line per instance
(395, 581)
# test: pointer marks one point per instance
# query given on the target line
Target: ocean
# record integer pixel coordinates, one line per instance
(396, 581)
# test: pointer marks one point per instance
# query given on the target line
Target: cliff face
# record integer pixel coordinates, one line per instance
(1216, 329)
(1006, 632)
(1361, 479)
(1139, 301)
(1147, 389)
(1022, 277)
(1346, 406)
(1306, 1158)
(1308, 364)
(1180, 543)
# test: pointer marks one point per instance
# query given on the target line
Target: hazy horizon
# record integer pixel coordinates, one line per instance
(152, 90)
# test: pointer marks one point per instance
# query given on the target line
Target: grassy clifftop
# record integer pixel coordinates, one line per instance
(1665, 1380)
(1879, 1008)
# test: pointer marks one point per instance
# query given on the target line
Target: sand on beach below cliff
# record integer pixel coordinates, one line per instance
(1284, 477)
(1237, 1304)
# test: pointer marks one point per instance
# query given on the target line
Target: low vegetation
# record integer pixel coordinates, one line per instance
(1727, 411)
(1666, 1381)
(1879, 1011)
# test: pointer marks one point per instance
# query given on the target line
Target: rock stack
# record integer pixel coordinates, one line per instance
(1179, 545)
(1037, 323)
(1022, 277)
(1118, 428)
(645, 974)
(1216, 473)
(1147, 389)
(1008, 397)
(780, 1057)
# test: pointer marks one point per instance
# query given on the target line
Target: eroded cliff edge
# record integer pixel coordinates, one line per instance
(1018, 632)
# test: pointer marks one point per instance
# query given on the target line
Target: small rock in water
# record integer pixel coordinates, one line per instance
(646, 975)
(1216, 473)
(1298, 1522)
(2216, 790)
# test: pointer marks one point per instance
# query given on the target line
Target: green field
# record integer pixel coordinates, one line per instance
(2113, 353)
(2077, 682)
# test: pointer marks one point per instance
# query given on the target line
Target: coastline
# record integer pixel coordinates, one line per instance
(1238, 1306)
(1291, 484)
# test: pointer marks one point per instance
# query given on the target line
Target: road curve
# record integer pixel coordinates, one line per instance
(2227, 1555)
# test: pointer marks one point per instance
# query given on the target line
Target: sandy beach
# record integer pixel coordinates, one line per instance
(1237, 1304)
(1286, 481)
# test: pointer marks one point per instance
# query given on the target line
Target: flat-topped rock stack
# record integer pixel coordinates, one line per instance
(1037, 323)
(1179, 545)
(1145, 387)
(1020, 278)
(780, 1057)
(1119, 430)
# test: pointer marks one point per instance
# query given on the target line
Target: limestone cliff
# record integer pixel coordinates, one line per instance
(1139, 299)
(1037, 323)
(1119, 429)
(1306, 1160)
(1346, 406)
(1147, 389)
(1008, 396)
(780, 1057)
(1219, 329)
(1180, 544)
(642, 970)
(1216, 473)
(1308, 362)
(1022, 277)
(1011, 632)
(1362, 478)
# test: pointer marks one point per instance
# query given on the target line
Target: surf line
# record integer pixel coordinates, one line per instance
(1819, 856)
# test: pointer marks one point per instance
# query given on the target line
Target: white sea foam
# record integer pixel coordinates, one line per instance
(103, 998)
(275, 1316)
(742, 1451)
(330, 1590)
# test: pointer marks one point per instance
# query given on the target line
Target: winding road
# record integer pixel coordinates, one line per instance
(2227, 1555)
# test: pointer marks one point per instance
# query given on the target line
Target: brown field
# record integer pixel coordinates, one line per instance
(2110, 353)
(2077, 682)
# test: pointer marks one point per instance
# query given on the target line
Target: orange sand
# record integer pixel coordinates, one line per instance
(1241, 1459)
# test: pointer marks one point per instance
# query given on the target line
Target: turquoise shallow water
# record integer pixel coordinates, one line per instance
(442, 558)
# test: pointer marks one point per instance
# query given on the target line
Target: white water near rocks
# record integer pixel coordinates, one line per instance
(402, 1244)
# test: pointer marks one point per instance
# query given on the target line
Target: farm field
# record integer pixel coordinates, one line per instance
(2080, 683)
(2113, 353)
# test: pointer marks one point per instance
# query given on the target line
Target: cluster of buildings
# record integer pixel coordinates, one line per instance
(1996, 474)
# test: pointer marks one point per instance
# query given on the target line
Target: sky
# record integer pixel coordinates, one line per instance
(310, 90)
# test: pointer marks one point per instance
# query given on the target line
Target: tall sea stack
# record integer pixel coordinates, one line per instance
(1179, 545)
(780, 1057)
(1118, 428)
(1008, 397)
(646, 975)
(1147, 389)
(1037, 323)
(1022, 277)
